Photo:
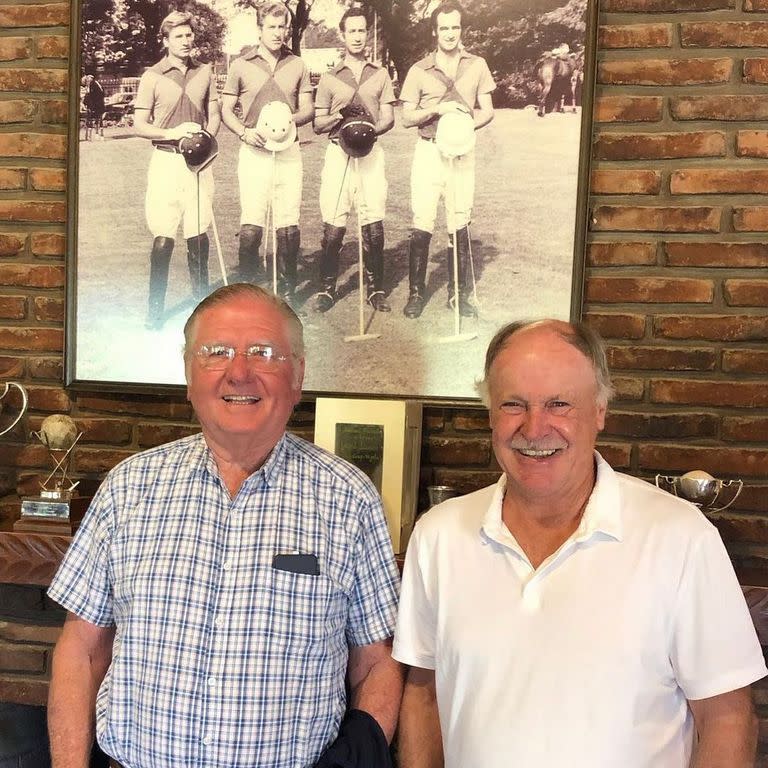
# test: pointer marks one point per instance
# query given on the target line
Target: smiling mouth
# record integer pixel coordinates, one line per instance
(241, 399)
(537, 454)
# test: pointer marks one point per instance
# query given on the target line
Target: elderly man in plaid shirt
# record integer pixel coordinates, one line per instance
(232, 594)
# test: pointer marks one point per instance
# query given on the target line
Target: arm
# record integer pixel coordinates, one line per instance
(420, 739)
(306, 110)
(414, 116)
(484, 113)
(727, 730)
(80, 661)
(214, 117)
(230, 119)
(376, 683)
(386, 119)
(142, 127)
(324, 122)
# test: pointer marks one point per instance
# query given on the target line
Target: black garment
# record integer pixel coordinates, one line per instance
(360, 744)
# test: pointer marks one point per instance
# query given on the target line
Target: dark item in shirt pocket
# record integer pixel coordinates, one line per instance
(297, 563)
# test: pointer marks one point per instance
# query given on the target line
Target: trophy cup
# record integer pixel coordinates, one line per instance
(56, 510)
(701, 489)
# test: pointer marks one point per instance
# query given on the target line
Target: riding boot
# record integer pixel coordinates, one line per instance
(197, 260)
(373, 264)
(248, 252)
(418, 252)
(288, 241)
(333, 239)
(159, 265)
(466, 308)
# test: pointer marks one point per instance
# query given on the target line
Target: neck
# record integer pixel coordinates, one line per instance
(266, 53)
(178, 61)
(450, 55)
(355, 58)
(238, 459)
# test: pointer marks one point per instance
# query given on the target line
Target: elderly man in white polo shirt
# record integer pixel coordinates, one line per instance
(570, 616)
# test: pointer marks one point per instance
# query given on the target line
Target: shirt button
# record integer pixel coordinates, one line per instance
(219, 621)
(226, 566)
(208, 740)
(211, 684)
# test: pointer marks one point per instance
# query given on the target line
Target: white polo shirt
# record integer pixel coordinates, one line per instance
(586, 662)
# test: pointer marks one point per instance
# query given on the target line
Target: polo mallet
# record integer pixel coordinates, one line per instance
(362, 336)
(271, 216)
(215, 233)
(457, 335)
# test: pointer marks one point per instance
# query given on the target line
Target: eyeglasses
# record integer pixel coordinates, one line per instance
(216, 357)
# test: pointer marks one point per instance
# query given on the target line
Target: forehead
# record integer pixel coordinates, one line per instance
(355, 22)
(241, 319)
(450, 19)
(275, 20)
(542, 363)
(180, 31)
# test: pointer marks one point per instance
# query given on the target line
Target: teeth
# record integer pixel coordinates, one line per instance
(537, 454)
(241, 399)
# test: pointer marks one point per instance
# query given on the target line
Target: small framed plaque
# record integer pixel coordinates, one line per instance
(383, 438)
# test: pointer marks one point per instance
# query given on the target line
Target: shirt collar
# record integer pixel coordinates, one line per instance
(430, 60)
(254, 52)
(602, 515)
(166, 65)
(343, 65)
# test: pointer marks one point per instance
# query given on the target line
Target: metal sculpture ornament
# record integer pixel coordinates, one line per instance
(701, 489)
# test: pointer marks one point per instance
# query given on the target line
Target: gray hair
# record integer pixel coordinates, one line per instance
(578, 335)
(235, 290)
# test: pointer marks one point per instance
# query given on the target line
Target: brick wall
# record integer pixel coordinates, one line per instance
(676, 276)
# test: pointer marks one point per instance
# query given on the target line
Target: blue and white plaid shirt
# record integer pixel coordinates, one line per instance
(219, 658)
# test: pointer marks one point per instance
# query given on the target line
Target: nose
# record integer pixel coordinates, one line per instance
(534, 425)
(237, 369)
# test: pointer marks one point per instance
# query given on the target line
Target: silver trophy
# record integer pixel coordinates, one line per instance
(9, 385)
(701, 489)
(55, 510)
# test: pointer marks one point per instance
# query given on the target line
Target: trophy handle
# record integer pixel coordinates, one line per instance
(8, 385)
(669, 483)
(727, 484)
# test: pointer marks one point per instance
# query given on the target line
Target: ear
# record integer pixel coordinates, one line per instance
(298, 379)
(602, 409)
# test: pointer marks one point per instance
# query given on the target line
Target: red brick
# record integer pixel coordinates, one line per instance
(664, 71)
(626, 389)
(49, 15)
(671, 425)
(32, 455)
(49, 309)
(649, 290)
(658, 146)
(663, 6)
(755, 5)
(24, 690)
(718, 461)
(739, 394)
(12, 179)
(11, 244)
(745, 361)
(54, 112)
(616, 326)
(48, 179)
(13, 308)
(150, 435)
(712, 327)
(12, 367)
(93, 460)
(634, 36)
(464, 481)
(32, 276)
(17, 111)
(750, 218)
(621, 254)
(49, 399)
(724, 34)
(656, 218)
(719, 180)
(15, 48)
(746, 293)
(34, 80)
(471, 421)
(610, 181)
(48, 244)
(716, 254)
(32, 339)
(137, 405)
(755, 70)
(744, 429)
(735, 528)
(617, 455)
(433, 420)
(46, 368)
(31, 210)
(29, 633)
(18, 658)
(628, 109)
(661, 358)
(49, 146)
(112, 431)
(752, 143)
(459, 451)
(723, 107)
(52, 47)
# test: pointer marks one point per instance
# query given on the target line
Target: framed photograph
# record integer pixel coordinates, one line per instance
(383, 438)
(518, 188)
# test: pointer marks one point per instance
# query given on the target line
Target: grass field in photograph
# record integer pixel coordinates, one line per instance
(522, 242)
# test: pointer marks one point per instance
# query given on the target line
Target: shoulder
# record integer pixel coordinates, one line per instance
(454, 518)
